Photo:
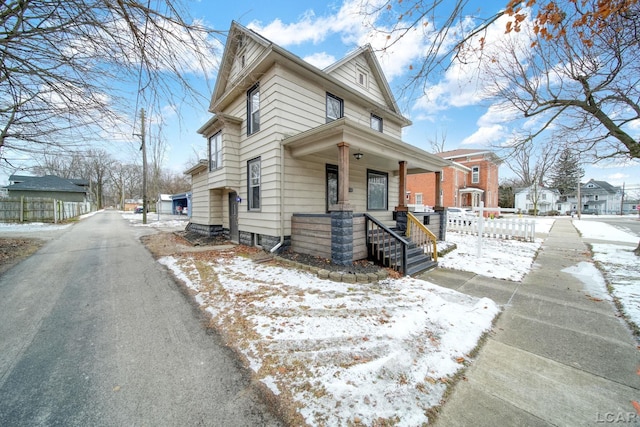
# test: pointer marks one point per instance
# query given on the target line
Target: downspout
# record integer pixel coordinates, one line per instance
(279, 245)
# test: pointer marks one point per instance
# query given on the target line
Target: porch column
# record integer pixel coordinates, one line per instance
(402, 190)
(402, 209)
(442, 212)
(343, 174)
(342, 214)
(438, 188)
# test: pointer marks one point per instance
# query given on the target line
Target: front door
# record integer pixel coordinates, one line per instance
(234, 234)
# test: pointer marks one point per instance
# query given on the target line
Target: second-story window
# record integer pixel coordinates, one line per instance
(215, 151)
(335, 108)
(253, 109)
(376, 123)
(475, 174)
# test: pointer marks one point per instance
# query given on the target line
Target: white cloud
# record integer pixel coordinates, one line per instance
(320, 59)
(354, 28)
(485, 135)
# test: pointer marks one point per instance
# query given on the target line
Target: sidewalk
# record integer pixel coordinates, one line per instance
(556, 357)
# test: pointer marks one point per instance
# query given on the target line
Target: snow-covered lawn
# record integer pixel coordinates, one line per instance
(339, 353)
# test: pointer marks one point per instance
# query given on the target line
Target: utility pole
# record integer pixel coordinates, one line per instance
(143, 148)
(622, 200)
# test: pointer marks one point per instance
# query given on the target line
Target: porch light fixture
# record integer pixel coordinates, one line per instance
(358, 155)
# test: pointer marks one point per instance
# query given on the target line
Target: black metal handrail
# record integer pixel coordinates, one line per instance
(384, 245)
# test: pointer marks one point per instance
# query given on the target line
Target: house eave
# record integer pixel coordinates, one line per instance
(201, 166)
(218, 118)
(385, 149)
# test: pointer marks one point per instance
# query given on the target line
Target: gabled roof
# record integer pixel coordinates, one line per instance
(455, 155)
(47, 183)
(369, 56)
(226, 92)
(603, 185)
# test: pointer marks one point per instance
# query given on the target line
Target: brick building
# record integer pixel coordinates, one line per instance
(472, 179)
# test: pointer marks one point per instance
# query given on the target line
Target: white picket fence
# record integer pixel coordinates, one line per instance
(501, 228)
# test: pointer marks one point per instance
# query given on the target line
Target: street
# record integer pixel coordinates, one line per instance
(630, 224)
(94, 332)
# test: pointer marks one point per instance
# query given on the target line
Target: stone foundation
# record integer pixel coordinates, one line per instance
(206, 230)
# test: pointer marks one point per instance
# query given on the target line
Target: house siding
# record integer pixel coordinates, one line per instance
(293, 101)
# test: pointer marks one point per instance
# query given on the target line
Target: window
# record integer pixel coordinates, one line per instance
(335, 108)
(253, 184)
(418, 198)
(376, 123)
(377, 186)
(475, 174)
(215, 151)
(253, 110)
(332, 185)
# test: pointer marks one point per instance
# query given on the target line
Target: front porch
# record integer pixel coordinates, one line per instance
(344, 239)
(348, 232)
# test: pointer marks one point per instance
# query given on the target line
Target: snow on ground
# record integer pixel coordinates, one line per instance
(340, 353)
(502, 259)
(621, 267)
(163, 221)
(31, 227)
(343, 354)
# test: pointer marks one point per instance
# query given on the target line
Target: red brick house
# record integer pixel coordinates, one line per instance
(472, 179)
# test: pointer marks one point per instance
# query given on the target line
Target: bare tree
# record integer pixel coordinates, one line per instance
(587, 94)
(437, 143)
(64, 64)
(532, 163)
(98, 163)
(576, 67)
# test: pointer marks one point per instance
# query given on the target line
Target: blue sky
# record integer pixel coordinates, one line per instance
(323, 32)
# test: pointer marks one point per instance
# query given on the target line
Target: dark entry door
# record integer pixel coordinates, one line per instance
(234, 234)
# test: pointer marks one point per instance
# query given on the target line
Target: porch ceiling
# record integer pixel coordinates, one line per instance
(471, 190)
(380, 151)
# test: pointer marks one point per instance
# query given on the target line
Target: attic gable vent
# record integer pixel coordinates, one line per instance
(362, 77)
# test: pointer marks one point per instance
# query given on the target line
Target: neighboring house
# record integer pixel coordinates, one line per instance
(48, 186)
(297, 155)
(164, 205)
(599, 197)
(631, 207)
(472, 178)
(537, 197)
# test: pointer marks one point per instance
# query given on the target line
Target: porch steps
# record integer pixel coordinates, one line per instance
(417, 260)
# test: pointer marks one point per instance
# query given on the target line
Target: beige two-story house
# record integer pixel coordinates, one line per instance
(301, 157)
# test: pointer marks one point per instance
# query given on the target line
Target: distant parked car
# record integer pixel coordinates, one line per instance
(138, 209)
(589, 212)
(462, 215)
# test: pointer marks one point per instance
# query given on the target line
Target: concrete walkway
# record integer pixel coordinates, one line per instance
(556, 357)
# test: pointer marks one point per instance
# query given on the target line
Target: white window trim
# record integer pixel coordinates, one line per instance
(215, 151)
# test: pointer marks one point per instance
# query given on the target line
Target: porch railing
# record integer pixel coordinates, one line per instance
(422, 236)
(384, 245)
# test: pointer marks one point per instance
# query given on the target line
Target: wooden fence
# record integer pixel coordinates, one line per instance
(28, 209)
(502, 228)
